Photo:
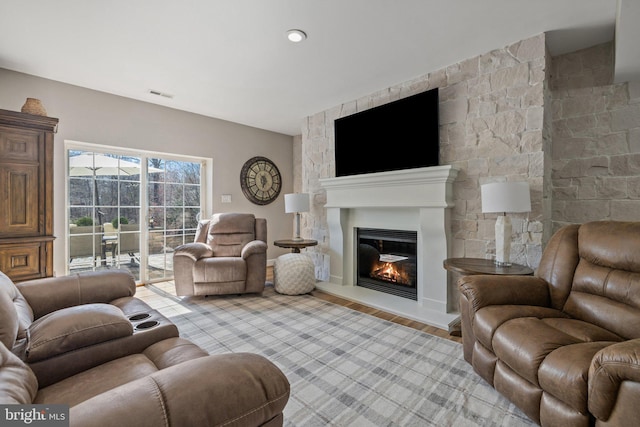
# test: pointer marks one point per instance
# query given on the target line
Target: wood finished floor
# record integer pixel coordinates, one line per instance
(378, 313)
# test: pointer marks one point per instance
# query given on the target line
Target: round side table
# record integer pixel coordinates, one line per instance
(295, 245)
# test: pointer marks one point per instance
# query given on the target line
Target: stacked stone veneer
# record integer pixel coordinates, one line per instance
(491, 128)
(596, 140)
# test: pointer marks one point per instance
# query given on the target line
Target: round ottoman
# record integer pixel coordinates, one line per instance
(294, 274)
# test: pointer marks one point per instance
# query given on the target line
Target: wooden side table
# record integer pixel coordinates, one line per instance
(469, 266)
(295, 245)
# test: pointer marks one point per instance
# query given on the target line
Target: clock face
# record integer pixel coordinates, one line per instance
(260, 180)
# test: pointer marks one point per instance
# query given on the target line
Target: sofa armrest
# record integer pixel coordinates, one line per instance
(253, 247)
(610, 369)
(55, 293)
(195, 251)
(75, 327)
(239, 389)
(484, 290)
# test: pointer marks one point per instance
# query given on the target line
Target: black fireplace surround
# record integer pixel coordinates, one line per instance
(387, 261)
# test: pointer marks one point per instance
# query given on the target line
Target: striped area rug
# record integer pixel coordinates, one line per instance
(346, 368)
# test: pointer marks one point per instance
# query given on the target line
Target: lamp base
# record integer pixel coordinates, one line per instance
(297, 237)
(503, 241)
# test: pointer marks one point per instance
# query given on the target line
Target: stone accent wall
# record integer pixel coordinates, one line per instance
(596, 140)
(297, 166)
(491, 128)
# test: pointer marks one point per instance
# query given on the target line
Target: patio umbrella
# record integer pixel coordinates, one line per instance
(96, 164)
(100, 164)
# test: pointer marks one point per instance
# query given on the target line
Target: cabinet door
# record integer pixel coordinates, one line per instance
(19, 214)
(23, 261)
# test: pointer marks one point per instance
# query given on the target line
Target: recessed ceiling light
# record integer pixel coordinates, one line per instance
(296, 36)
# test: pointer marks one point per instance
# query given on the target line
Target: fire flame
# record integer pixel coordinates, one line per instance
(389, 273)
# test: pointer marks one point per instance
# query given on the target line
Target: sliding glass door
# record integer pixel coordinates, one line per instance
(130, 211)
(174, 210)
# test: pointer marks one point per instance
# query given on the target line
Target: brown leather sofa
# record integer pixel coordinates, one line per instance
(86, 341)
(228, 256)
(563, 345)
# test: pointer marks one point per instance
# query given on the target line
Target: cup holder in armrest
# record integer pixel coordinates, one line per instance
(138, 317)
(147, 325)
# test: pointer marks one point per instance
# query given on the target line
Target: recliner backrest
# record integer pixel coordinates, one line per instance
(229, 232)
(558, 264)
(594, 274)
(606, 283)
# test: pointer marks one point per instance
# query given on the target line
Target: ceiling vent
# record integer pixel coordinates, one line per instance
(158, 93)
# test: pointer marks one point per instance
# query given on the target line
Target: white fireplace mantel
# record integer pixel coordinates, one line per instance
(415, 200)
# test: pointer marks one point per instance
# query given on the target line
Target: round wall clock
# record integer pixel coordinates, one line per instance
(260, 180)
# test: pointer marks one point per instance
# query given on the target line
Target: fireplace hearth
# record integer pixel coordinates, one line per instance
(387, 261)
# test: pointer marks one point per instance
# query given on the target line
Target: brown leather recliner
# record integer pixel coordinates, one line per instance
(228, 256)
(563, 345)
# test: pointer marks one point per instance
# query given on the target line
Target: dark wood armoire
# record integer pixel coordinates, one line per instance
(26, 189)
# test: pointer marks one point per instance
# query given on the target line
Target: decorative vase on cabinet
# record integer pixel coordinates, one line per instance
(26, 181)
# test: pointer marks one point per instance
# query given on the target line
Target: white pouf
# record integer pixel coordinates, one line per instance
(294, 274)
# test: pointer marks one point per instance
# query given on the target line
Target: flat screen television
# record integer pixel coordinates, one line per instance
(402, 134)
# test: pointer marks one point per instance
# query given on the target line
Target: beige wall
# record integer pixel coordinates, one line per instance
(96, 117)
(596, 140)
(491, 128)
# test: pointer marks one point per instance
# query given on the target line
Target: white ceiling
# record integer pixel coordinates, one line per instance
(230, 59)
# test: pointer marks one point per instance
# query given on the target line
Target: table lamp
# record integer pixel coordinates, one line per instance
(503, 197)
(296, 203)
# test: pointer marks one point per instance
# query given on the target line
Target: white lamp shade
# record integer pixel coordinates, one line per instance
(296, 202)
(505, 197)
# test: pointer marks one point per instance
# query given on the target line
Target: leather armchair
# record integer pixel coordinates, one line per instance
(563, 345)
(228, 256)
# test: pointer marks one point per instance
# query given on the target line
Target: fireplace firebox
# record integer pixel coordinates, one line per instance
(387, 261)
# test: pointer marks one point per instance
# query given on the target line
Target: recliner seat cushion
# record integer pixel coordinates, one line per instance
(115, 373)
(553, 354)
(488, 319)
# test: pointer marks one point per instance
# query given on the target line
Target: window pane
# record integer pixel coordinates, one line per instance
(192, 195)
(81, 191)
(192, 173)
(129, 193)
(156, 194)
(174, 218)
(132, 215)
(174, 194)
(107, 193)
(191, 216)
(156, 218)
